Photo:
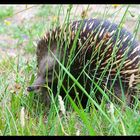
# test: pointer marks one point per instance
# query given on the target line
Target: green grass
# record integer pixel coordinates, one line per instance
(5, 11)
(23, 113)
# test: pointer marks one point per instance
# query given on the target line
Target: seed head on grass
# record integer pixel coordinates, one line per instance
(111, 111)
(22, 117)
(111, 108)
(78, 132)
(61, 103)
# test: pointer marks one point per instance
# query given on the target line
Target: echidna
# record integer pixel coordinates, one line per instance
(91, 50)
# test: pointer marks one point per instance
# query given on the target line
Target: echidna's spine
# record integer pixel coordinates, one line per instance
(104, 34)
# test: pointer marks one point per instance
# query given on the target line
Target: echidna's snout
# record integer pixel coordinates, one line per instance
(32, 88)
(39, 82)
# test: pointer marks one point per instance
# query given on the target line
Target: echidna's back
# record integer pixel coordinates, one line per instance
(107, 40)
(100, 27)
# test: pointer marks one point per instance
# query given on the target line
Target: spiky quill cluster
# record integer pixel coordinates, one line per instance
(100, 41)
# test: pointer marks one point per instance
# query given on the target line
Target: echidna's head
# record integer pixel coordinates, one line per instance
(45, 64)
